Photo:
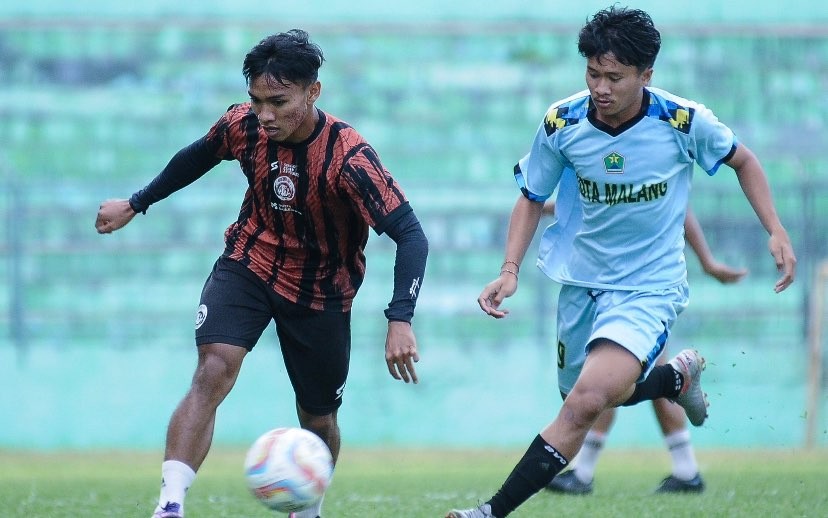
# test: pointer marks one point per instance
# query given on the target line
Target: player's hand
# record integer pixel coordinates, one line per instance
(783, 254)
(495, 293)
(112, 215)
(724, 273)
(401, 351)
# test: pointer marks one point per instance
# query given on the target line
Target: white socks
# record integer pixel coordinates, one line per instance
(310, 512)
(685, 466)
(176, 479)
(588, 456)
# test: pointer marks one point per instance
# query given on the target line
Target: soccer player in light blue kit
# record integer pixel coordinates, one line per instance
(684, 476)
(622, 156)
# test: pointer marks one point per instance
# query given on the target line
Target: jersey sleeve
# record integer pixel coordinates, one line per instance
(538, 173)
(370, 187)
(235, 123)
(713, 142)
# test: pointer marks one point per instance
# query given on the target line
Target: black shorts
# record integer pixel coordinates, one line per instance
(235, 308)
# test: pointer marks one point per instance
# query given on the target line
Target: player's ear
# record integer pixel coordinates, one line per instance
(647, 76)
(313, 92)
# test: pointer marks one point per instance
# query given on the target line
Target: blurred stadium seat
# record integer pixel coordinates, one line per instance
(93, 108)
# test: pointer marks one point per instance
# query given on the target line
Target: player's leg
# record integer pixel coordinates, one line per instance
(316, 346)
(190, 430)
(607, 379)
(325, 426)
(610, 376)
(233, 312)
(578, 479)
(685, 476)
(575, 322)
(593, 446)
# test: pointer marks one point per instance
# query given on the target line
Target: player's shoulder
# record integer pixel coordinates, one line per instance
(678, 111)
(566, 112)
(341, 131)
(335, 122)
(237, 111)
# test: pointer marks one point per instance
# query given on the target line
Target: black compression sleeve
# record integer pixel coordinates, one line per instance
(187, 166)
(409, 265)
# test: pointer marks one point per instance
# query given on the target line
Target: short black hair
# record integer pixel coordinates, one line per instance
(286, 57)
(628, 33)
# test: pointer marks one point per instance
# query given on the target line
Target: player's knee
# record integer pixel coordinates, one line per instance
(585, 404)
(214, 376)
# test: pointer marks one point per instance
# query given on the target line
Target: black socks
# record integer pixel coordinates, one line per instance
(663, 381)
(533, 472)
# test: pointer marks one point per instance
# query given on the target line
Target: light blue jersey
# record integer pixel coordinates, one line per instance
(622, 192)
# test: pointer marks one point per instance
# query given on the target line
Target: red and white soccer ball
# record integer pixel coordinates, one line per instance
(288, 469)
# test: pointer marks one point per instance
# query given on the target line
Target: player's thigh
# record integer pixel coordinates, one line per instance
(234, 308)
(609, 373)
(638, 321)
(316, 346)
(575, 317)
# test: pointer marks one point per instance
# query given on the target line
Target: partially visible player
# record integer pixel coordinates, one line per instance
(294, 256)
(685, 476)
(626, 154)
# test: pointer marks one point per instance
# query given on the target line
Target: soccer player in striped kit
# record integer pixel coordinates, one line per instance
(295, 255)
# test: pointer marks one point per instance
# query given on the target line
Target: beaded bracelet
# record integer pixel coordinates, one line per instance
(506, 270)
(517, 266)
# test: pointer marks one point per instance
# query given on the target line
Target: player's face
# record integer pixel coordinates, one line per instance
(616, 89)
(285, 111)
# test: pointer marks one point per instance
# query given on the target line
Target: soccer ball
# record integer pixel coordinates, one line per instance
(288, 469)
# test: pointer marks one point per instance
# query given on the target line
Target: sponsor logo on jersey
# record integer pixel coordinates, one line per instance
(284, 187)
(615, 193)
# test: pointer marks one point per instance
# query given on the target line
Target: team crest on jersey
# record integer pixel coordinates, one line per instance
(283, 188)
(201, 315)
(614, 163)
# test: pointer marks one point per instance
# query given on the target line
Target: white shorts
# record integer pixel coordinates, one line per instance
(639, 321)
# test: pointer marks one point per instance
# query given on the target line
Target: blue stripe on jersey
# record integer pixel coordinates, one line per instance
(727, 157)
(522, 185)
(661, 343)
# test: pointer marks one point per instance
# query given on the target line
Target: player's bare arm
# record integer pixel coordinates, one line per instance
(694, 235)
(755, 185)
(112, 215)
(522, 226)
(401, 351)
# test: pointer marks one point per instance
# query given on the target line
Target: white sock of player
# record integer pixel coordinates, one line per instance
(685, 466)
(176, 479)
(588, 455)
(311, 512)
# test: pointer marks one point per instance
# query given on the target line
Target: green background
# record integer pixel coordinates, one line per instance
(96, 331)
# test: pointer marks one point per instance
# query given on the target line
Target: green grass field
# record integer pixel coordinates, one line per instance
(418, 483)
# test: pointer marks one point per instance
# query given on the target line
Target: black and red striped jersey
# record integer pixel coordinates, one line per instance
(304, 221)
